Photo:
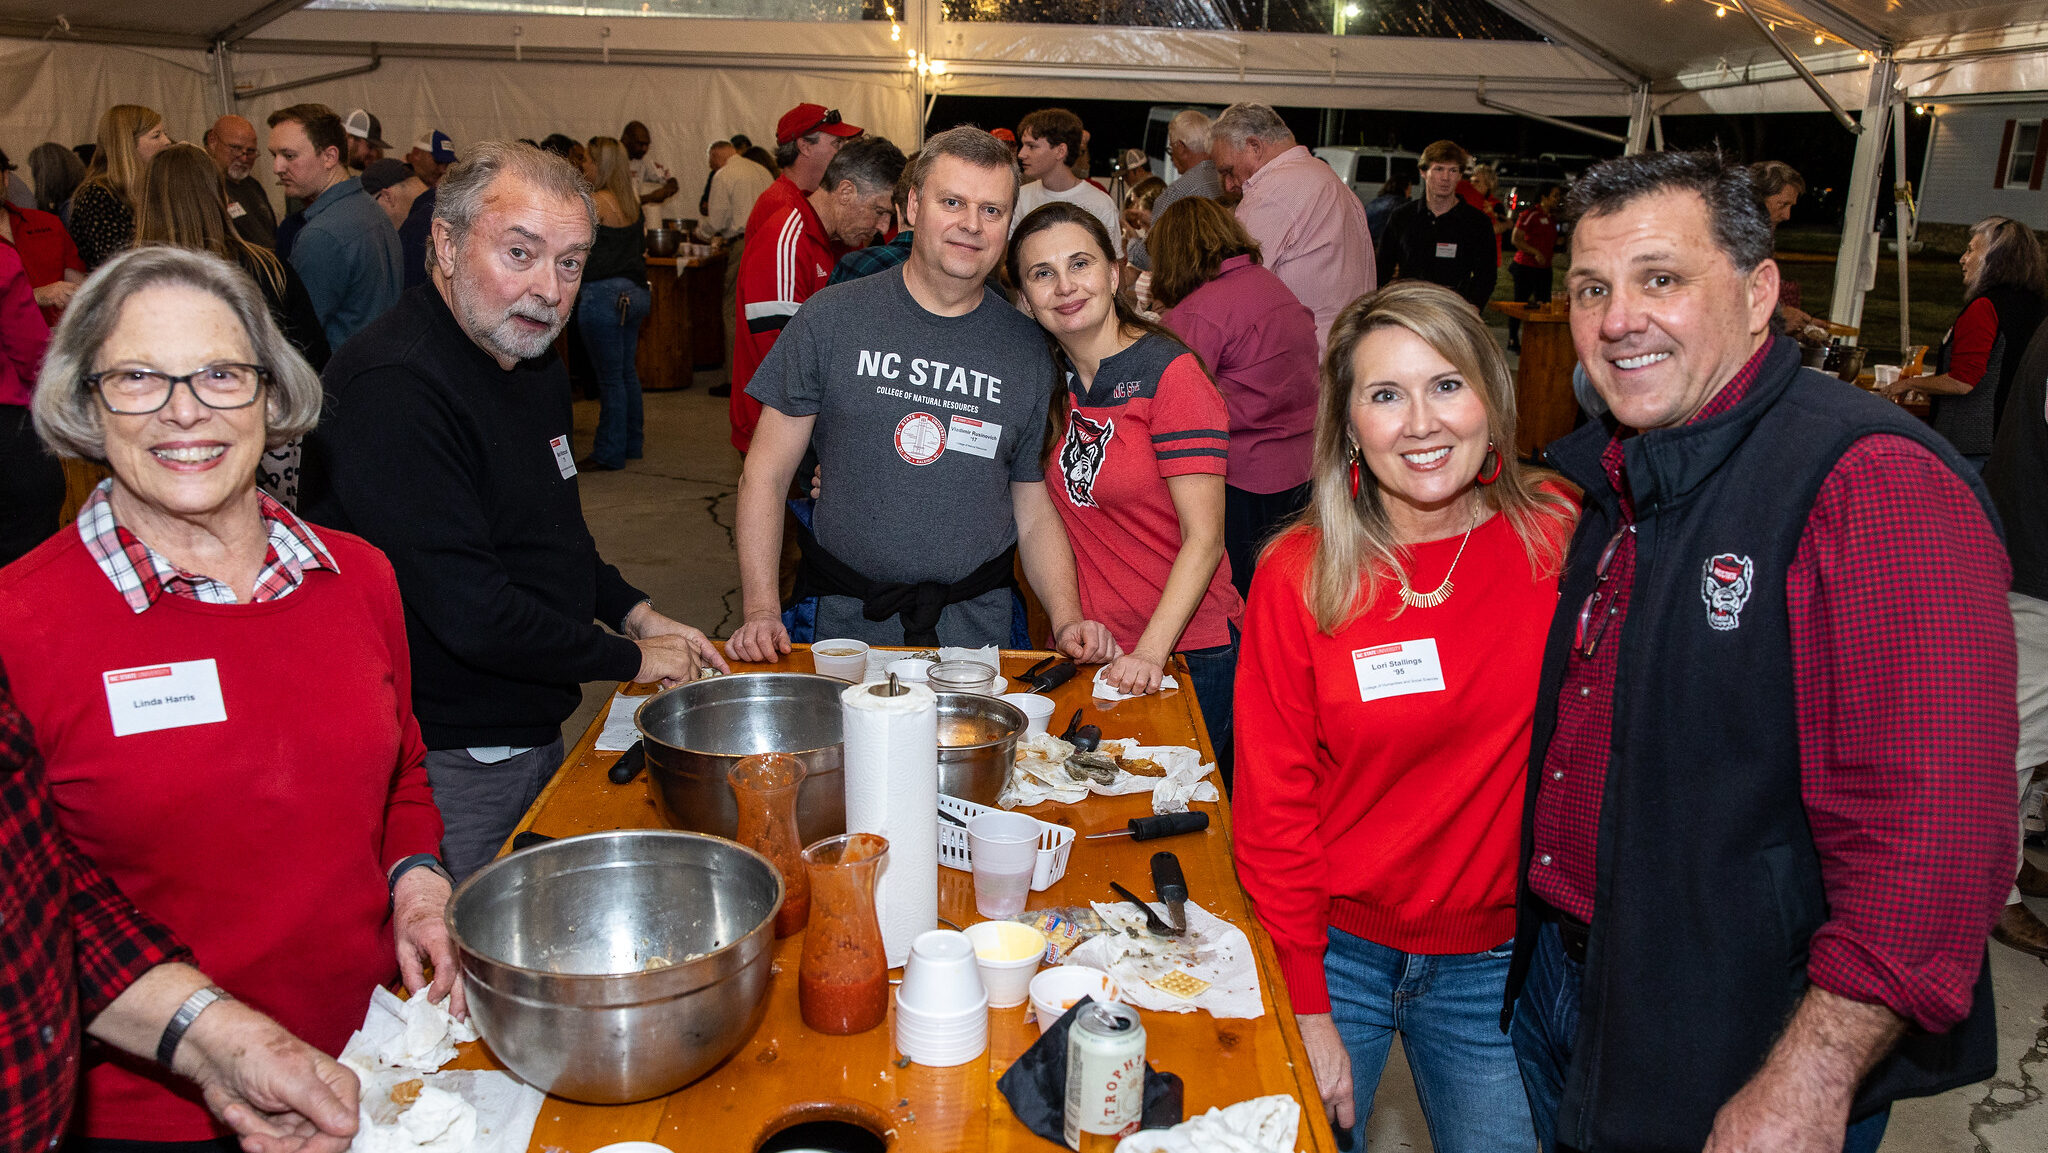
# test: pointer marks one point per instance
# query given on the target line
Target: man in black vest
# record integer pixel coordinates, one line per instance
(1770, 808)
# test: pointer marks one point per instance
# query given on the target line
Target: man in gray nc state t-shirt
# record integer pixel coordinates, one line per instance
(923, 422)
(925, 397)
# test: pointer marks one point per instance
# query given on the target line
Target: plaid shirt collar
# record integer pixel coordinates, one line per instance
(1730, 395)
(141, 574)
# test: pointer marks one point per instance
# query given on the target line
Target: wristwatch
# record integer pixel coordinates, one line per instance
(418, 861)
(197, 1003)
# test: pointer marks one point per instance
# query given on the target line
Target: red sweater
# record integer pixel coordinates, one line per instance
(1396, 819)
(261, 840)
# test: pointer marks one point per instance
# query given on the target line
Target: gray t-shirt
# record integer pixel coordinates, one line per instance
(923, 423)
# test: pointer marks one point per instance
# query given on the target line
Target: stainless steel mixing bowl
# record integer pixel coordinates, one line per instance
(977, 744)
(617, 966)
(697, 731)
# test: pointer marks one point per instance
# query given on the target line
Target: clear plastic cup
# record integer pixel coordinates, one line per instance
(845, 659)
(963, 677)
(1055, 990)
(941, 978)
(1008, 954)
(1004, 849)
(1037, 711)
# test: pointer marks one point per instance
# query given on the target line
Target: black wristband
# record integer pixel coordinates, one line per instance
(197, 1003)
(418, 861)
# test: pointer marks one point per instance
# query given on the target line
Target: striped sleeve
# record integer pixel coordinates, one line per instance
(1190, 424)
(772, 314)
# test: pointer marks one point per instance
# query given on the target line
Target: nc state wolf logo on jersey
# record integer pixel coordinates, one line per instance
(1725, 584)
(1081, 455)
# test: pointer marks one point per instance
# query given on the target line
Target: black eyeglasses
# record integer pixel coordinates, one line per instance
(1593, 622)
(141, 391)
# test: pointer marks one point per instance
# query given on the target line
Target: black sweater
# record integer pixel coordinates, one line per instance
(1409, 249)
(446, 462)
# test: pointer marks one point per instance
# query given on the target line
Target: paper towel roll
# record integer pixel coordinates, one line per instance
(892, 788)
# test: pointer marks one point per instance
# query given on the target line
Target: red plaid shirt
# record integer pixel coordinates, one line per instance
(1892, 685)
(142, 574)
(69, 944)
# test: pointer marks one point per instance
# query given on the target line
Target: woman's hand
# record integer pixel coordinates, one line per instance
(1088, 642)
(419, 905)
(1136, 674)
(1331, 1064)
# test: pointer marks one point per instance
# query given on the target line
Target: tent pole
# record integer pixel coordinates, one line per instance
(1859, 241)
(1906, 217)
(1639, 118)
(1799, 66)
(224, 77)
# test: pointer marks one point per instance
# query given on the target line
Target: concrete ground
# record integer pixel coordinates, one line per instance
(666, 521)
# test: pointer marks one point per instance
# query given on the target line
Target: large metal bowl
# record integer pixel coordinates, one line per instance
(697, 731)
(977, 744)
(617, 966)
(663, 241)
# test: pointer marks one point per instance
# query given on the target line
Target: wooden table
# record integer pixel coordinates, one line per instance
(1545, 408)
(685, 329)
(785, 1073)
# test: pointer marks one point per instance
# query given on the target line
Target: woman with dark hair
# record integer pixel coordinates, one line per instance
(103, 209)
(1259, 341)
(1135, 465)
(1391, 652)
(2002, 282)
(57, 172)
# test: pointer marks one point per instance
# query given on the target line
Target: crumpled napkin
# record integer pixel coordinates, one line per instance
(1260, 1125)
(1104, 691)
(879, 661)
(1040, 774)
(1213, 950)
(460, 1111)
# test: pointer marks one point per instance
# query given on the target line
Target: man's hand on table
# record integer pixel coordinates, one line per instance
(419, 904)
(1331, 1063)
(670, 651)
(1088, 642)
(762, 638)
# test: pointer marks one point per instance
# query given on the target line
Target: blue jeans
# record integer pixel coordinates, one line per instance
(1547, 1022)
(1214, 673)
(1447, 1010)
(613, 343)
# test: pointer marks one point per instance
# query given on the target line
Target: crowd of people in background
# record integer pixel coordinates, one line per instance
(1229, 414)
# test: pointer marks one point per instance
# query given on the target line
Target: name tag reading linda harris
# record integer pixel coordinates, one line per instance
(147, 698)
(1398, 669)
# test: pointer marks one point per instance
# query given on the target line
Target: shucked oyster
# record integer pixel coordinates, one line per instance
(1098, 767)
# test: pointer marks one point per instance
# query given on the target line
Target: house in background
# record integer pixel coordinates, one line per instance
(1986, 160)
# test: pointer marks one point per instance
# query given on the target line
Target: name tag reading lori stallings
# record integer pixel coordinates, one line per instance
(167, 696)
(1397, 669)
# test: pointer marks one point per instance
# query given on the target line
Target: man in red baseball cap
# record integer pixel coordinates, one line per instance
(806, 139)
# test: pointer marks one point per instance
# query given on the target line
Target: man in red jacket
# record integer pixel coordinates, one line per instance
(795, 239)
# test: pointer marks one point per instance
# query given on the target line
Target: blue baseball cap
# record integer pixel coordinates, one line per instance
(437, 145)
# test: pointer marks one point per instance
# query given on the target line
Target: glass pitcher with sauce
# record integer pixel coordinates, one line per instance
(765, 789)
(843, 978)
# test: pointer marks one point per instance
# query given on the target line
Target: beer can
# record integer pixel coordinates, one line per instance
(1105, 1076)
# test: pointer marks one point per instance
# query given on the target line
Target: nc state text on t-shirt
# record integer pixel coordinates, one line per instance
(938, 375)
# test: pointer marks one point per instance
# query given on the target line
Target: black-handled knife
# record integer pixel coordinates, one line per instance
(1151, 828)
(1172, 889)
(1048, 674)
(1159, 928)
(629, 764)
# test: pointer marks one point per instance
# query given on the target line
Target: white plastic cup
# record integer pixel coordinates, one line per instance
(1008, 954)
(1885, 374)
(1055, 990)
(910, 669)
(941, 978)
(1004, 848)
(944, 1044)
(845, 659)
(1037, 711)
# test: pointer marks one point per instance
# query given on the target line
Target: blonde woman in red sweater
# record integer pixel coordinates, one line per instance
(1385, 694)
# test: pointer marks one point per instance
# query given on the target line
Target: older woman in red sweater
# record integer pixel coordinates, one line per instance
(222, 694)
(1385, 696)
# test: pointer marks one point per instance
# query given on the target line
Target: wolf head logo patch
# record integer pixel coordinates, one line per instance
(1082, 453)
(1725, 582)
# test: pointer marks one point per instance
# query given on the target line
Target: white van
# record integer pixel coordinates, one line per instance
(1365, 169)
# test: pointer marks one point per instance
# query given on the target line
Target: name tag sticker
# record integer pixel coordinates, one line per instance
(976, 437)
(1398, 669)
(147, 698)
(564, 459)
(1446, 251)
(236, 211)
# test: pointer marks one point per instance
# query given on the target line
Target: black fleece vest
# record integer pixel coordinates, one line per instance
(1708, 886)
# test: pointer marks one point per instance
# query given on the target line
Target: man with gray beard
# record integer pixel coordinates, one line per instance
(446, 444)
